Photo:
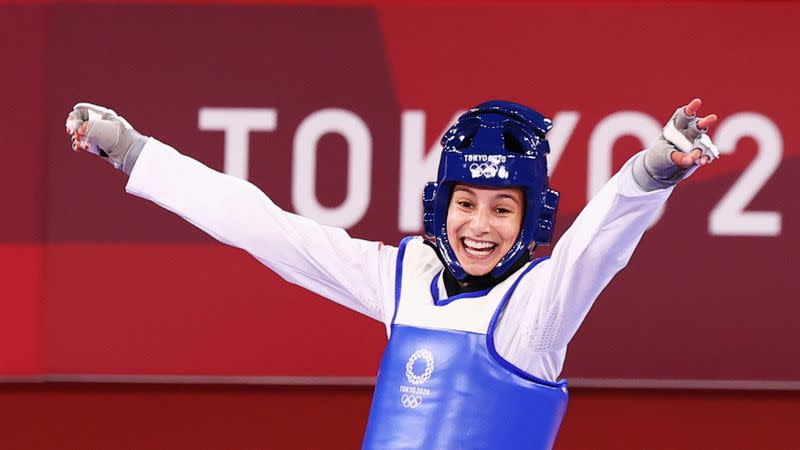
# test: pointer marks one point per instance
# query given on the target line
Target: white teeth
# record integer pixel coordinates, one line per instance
(475, 252)
(475, 245)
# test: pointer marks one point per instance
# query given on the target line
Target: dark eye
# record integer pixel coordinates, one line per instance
(465, 204)
(502, 210)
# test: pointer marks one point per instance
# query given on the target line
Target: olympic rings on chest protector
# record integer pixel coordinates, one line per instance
(410, 401)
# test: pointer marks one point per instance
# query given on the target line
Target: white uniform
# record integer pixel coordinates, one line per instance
(542, 316)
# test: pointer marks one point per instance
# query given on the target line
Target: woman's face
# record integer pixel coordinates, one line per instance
(482, 224)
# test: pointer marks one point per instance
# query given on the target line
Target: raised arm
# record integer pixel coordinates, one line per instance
(552, 302)
(355, 273)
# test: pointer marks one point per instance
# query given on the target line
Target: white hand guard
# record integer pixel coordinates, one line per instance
(655, 169)
(102, 131)
(682, 131)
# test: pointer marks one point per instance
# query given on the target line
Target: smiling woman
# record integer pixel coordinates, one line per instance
(483, 224)
(478, 329)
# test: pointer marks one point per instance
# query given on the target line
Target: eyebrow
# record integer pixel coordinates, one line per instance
(471, 191)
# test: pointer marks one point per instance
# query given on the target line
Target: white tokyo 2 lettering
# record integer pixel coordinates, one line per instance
(730, 217)
(494, 159)
(427, 356)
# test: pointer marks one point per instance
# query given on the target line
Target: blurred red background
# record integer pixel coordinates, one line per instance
(608, 73)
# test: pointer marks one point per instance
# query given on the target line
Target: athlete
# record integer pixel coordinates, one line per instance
(478, 329)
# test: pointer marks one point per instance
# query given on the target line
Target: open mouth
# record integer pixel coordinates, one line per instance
(478, 249)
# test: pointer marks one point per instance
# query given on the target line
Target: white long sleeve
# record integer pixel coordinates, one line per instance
(542, 316)
(355, 273)
(551, 302)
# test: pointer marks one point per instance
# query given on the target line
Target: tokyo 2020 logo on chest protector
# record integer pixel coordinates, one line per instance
(412, 395)
(412, 376)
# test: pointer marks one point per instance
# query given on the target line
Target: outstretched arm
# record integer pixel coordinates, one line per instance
(553, 300)
(355, 273)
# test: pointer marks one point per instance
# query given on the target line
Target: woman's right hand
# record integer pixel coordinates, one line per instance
(101, 131)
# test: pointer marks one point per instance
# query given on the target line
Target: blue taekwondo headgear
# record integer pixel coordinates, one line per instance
(496, 144)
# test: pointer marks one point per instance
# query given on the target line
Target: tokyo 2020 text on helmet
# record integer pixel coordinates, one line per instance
(497, 144)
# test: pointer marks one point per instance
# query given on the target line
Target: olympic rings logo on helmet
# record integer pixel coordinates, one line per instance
(488, 170)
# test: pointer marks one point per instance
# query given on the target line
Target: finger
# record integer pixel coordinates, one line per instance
(681, 159)
(693, 106)
(77, 145)
(703, 160)
(707, 121)
(82, 130)
(79, 136)
(697, 157)
(684, 160)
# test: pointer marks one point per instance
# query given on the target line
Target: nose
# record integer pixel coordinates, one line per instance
(479, 222)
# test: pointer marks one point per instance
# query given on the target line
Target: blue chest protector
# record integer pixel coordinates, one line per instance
(442, 384)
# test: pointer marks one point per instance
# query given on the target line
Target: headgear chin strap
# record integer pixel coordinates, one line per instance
(497, 144)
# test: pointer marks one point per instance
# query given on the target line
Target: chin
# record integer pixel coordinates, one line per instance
(477, 271)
